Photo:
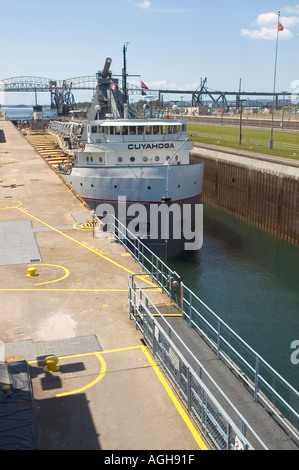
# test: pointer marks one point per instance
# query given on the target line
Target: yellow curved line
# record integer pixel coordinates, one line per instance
(91, 384)
(19, 203)
(67, 273)
(79, 226)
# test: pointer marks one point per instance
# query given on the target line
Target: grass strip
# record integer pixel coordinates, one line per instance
(285, 143)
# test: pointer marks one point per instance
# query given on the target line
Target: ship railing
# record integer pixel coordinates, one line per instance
(170, 352)
(267, 386)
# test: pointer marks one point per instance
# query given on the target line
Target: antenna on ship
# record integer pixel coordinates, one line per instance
(125, 91)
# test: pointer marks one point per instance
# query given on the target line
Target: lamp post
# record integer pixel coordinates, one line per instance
(240, 131)
(271, 138)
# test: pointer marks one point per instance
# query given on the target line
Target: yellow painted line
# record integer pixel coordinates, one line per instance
(171, 395)
(90, 384)
(10, 207)
(167, 315)
(175, 401)
(66, 273)
(63, 290)
(81, 244)
(155, 368)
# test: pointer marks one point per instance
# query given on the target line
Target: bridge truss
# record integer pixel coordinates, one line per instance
(62, 97)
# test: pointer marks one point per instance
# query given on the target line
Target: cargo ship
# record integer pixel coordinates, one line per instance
(136, 168)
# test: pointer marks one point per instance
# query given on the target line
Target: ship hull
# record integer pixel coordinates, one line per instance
(158, 204)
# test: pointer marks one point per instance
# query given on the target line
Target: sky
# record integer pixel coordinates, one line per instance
(171, 44)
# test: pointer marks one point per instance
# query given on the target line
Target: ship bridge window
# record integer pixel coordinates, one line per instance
(164, 129)
(94, 129)
(104, 129)
(125, 130)
(132, 130)
(156, 129)
(148, 130)
(111, 130)
(117, 130)
(140, 130)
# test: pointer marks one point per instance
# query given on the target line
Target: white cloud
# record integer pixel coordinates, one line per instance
(165, 85)
(292, 10)
(143, 5)
(266, 33)
(267, 25)
(147, 5)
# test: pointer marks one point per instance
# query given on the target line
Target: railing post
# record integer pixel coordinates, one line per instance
(256, 379)
(182, 298)
(188, 389)
(218, 339)
(190, 309)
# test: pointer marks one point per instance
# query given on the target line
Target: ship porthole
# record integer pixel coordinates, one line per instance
(149, 187)
(132, 159)
(120, 159)
(91, 185)
(157, 159)
(115, 186)
(145, 159)
(168, 157)
(179, 185)
(81, 184)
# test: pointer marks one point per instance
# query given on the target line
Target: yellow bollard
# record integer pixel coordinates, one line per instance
(31, 272)
(51, 364)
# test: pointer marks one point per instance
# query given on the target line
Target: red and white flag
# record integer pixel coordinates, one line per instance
(280, 27)
(143, 85)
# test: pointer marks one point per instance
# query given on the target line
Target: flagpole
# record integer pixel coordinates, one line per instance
(274, 85)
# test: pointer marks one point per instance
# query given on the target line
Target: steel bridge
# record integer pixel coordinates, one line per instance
(62, 97)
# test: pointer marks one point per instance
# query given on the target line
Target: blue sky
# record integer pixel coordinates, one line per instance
(172, 43)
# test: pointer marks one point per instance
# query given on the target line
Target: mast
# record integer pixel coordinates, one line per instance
(125, 91)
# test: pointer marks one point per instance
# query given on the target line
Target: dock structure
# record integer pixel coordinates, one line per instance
(64, 294)
(66, 311)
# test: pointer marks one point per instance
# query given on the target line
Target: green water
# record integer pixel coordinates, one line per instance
(250, 279)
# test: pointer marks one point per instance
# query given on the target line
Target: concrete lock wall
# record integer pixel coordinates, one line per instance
(261, 192)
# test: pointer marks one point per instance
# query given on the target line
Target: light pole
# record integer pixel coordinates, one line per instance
(240, 133)
(271, 138)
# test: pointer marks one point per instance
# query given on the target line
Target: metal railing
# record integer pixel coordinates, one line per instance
(169, 350)
(154, 266)
(266, 385)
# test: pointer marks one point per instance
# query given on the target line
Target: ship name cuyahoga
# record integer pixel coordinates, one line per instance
(150, 146)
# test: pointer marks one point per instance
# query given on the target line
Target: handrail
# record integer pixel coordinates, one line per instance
(164, 276)
(170, 332)
(254, 382)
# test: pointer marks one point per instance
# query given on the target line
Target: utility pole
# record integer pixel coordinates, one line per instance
(271, 138)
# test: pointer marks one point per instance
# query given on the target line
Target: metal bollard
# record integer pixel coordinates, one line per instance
(51, 364)
(31, 272)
